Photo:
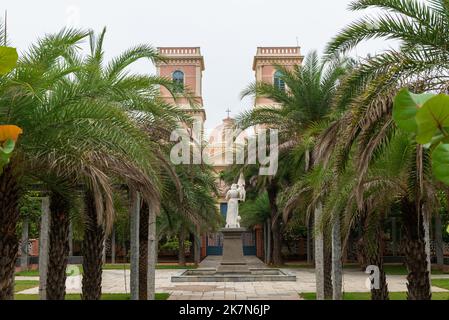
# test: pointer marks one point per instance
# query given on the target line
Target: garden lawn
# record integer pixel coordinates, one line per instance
(441, 283)
(109, 266)
(20, 285)
(390, 269)
(398, 269)
(367, 296)
(120, 266)
(106, 296)
(28, 273)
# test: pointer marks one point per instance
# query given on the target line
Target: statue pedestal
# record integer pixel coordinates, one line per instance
(233, 260)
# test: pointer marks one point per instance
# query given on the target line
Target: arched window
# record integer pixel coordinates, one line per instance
(178, 79)
(278, 82)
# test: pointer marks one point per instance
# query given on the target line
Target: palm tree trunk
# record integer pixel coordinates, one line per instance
(197, 246)
(134, 241)
(381, 293)
(277, 243)
(426, 226)
(328, 288)
(92, 251)
(439, 251)
(44, 234)
(268, 253)
(374, 255)
(152, 254)
(309, 241)
(143, 251)
(70, 240)
(337, 272)
(9, 243)
(113, 248)
(319, 254)
(181, 247)
(58, 247)
(276, 225)
(418, 285)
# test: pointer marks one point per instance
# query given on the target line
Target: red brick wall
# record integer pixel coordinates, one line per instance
(203, 246)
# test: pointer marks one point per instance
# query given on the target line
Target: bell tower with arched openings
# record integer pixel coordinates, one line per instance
(185, 66)
(264, 66)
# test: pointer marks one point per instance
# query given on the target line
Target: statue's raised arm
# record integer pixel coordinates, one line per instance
(241, 184)
(242, 193)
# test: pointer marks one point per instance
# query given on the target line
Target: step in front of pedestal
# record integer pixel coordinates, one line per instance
(207, 275)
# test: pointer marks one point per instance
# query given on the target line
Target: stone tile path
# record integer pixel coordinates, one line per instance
(116, 281)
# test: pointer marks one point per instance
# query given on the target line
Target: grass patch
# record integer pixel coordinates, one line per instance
(398, 269)
(108, 266)
(20, 285)
(106, 296)
(367, 296)
(28, 273)
(116, 266)
(441, 283)
(294, 266)
(390, 269)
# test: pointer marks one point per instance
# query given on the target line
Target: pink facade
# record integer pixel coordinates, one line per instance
(190, 62)
(267, 58)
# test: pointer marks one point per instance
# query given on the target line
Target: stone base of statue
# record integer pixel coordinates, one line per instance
(233, 260)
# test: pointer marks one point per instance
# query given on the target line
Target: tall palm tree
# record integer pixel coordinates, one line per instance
(255, 211)
(301, 108)
(138, 96)
(419, 62)
(69, 135)
(25, 101)
(419, 28)
(196, 209)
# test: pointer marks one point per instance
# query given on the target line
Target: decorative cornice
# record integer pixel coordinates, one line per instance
(181, 56)
(284, 61)
(277, 55)
(180, 61)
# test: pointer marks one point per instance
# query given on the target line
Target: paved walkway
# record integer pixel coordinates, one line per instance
(116, 281)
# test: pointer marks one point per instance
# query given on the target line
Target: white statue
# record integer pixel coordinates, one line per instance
(236, 194)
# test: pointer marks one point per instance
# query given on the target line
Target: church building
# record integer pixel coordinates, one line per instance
(185, 66)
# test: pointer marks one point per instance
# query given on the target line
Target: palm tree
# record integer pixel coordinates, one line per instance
(255, 211)
(138, 96)
(419, 28)
(196, 209)
(303, 107)
(420, 63)
(69, 135)
(25, 101)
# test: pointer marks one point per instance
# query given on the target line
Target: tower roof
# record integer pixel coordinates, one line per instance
(182, 53)
(277, 53)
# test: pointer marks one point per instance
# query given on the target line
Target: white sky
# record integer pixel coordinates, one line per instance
(228, 33)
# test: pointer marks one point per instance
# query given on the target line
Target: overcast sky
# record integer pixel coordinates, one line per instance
(228, 33)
